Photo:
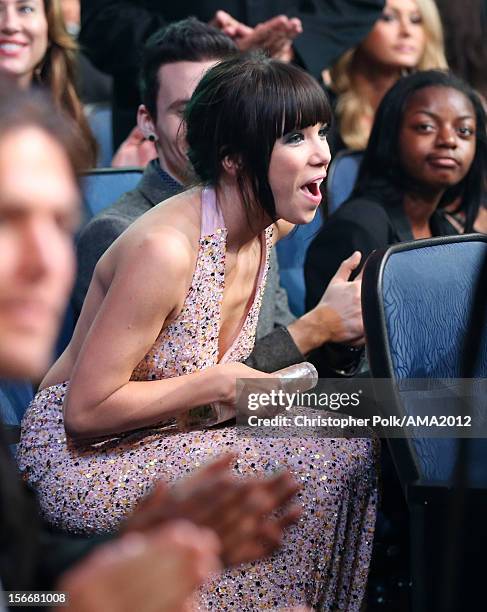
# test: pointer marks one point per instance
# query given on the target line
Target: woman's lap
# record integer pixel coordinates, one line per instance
(90, 489)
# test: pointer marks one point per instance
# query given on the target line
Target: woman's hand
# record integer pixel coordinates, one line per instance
(228, 374)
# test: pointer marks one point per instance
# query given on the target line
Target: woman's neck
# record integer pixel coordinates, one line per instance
(239, 230)
(22, 82)
(419, 208)
(373, 80)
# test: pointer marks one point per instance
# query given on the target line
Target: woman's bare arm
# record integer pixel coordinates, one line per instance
(151, 278)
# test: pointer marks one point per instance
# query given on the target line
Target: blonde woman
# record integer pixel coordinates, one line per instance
(35, 49)
(407, 37)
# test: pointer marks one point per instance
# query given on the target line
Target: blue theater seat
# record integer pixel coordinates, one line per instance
(417, 299)
(103, 186)
(100, 188)
(100, 121)
(342, 175)
(291, 252)
(15, 396)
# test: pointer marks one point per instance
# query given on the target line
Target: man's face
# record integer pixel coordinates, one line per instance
(177, 83)
(38, 212)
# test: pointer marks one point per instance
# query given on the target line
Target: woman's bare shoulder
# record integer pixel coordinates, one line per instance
(166, 237)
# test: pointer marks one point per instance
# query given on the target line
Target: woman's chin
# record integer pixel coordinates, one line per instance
(307, 217)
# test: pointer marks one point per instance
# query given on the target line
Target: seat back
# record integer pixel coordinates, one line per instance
(15, 396)
(99, 117)
(342, 175)
(291, 253)
(102, 187)
(417, 298)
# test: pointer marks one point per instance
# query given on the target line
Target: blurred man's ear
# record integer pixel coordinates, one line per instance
(146, 124)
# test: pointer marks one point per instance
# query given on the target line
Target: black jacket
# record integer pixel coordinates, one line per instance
(31, 555)
(363, 225)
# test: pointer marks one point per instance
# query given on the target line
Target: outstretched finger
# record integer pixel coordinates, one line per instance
(217, 467)
(221, 463)
(222, 19)
(296, 25)
(359, 275)
(291, 516)
(283, 487)
(347, 267)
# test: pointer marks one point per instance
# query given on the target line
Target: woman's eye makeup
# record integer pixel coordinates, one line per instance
(26, 9)
(299, 135)
(466, 130)
(293, 137)
(324, 131)
(424, 127)
(389, 17)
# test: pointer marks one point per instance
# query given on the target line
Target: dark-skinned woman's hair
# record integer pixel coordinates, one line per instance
(381, 170)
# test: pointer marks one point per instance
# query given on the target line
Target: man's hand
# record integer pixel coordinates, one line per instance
(153, 572)
(338, 315)
(135, 150)
(341, 304)
(230, 26)
(237, 509)
(274, 36)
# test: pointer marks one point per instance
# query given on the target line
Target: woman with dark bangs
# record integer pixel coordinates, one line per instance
(427, 151)
(169, 317)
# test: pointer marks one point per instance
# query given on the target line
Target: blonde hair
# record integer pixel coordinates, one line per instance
(352, 108)
(57, 72)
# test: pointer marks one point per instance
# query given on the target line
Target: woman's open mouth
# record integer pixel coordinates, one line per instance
(312, 190)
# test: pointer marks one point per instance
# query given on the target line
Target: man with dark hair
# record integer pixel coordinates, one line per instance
(173, 62)
(167, 83)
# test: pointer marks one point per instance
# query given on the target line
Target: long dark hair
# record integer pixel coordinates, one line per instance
(381, 171)
(240, 108)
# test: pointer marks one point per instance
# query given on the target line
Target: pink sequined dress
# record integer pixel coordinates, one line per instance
(89, 488)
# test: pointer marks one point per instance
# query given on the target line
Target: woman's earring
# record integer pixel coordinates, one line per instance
(152, 137)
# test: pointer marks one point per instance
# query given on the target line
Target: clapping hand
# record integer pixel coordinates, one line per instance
(237, 509)
(274, 36)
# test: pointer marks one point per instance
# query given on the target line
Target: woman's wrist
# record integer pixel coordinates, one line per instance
(216, 385)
